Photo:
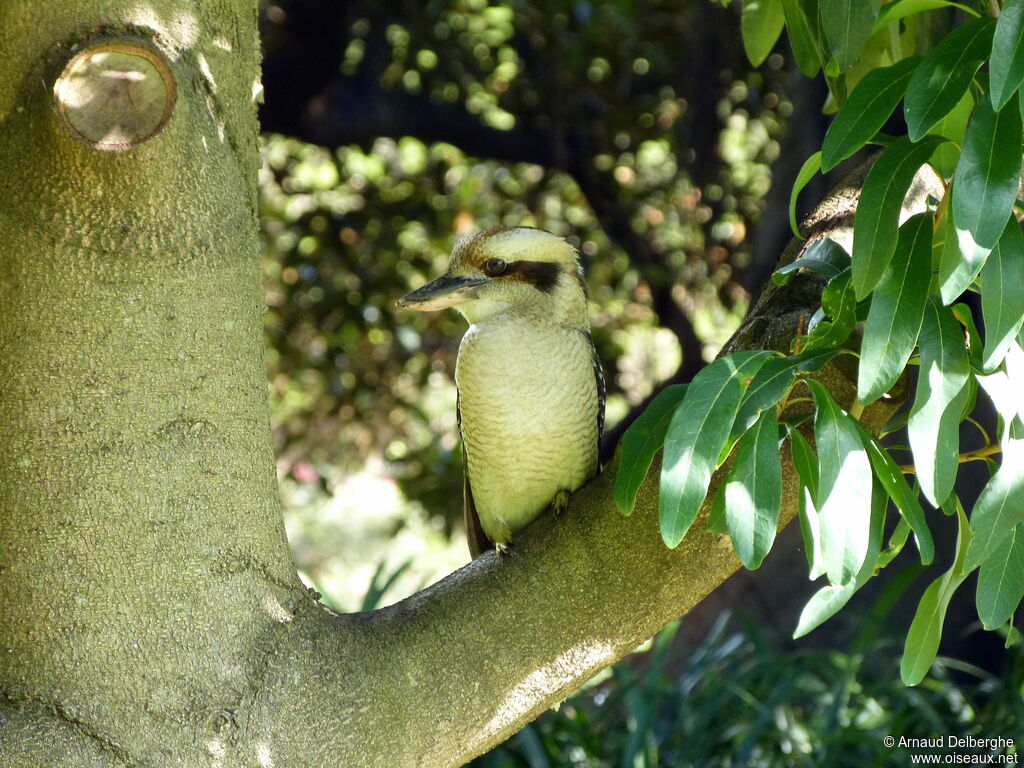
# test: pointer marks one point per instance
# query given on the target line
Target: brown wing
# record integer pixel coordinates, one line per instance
(479, 542)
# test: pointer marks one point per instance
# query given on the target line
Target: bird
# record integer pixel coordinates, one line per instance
(531, 392)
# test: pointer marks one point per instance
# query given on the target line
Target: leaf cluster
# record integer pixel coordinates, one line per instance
(896, 301)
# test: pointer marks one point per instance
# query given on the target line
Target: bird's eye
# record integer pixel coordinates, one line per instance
(493, 267)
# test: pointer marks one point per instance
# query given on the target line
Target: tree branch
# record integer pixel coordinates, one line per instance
(448, 673)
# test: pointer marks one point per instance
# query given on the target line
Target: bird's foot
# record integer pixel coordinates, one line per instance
(503, 549)
(561, 502)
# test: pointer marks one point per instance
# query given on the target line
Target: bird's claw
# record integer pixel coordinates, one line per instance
(561, 502)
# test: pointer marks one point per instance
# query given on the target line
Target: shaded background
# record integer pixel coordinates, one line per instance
(639, 131)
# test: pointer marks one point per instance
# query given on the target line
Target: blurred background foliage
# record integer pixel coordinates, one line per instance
(635, 129)
(638, 130)
(742, 698)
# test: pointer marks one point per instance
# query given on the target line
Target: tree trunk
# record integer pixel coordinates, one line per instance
(151, 614)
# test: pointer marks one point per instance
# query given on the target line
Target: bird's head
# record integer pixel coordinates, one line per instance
(512, 269)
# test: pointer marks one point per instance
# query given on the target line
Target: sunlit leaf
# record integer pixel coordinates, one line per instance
(866, 111)
(1003, 389)
(1002, 297)
(1006, 70)
(988, 174)
(753, 492)
(1001, 580)
(897, 308)
(934, 424)
(844, 492)
(922, 642)
(1000, 507)
(876, 223)
(641, 442)
(960, 259)
(761, 24)
(828, 600)
(810, 167)
(697, 432)
(946, 72)
(847, 25)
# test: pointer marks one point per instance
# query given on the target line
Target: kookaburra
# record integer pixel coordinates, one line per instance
(530, 389)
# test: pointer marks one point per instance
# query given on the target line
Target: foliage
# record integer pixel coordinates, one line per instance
(898, 291)
(736, 701)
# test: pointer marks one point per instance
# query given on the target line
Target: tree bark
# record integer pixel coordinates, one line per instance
(151, 614)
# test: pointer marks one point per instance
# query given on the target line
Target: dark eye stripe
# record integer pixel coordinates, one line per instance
(542, 275)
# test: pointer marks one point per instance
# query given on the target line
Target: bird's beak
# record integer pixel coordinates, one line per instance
(442, 292)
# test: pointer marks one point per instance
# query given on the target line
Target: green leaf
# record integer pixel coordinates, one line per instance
(696, 435)
(771, 383)
(1006, 69)
(957, 268)
(900, 9)
(823, 605)
(926, 629)
(962, 312)
(812, 12)
(847, 25)
(806, 464)
(824, 256)
(810, 167)
(641, 442)
(716, 517)
(960, 259)
(1001, 580)
(896, 541)
(1002, 294)
(1000, 507)
(866, 111)
(844, 492)
(761, 24)
(805, 461)
(876, 223)
(905, 499)
(934, 424)
(803, 38)
(753, 492)
(953, 127)
(839, 303)
(988, 174)
(897, 308)
(827, 601)
(946, 72)
(1003, 389)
